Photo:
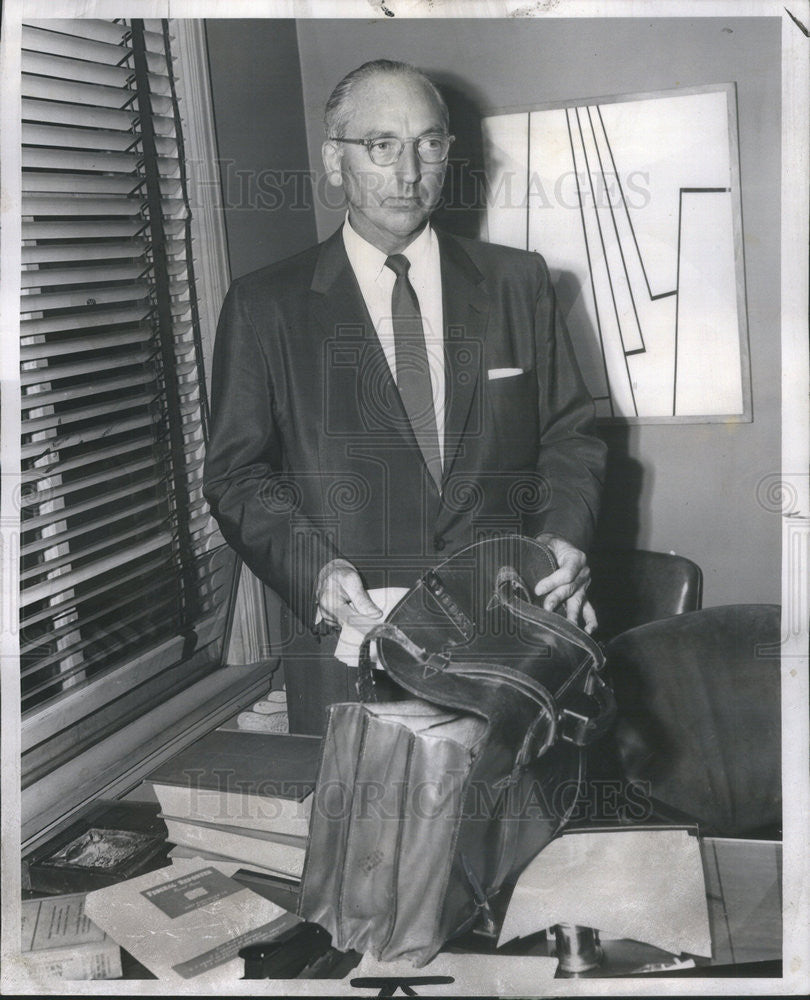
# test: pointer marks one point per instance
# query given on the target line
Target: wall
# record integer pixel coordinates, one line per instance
(258, 109)
(691, 489)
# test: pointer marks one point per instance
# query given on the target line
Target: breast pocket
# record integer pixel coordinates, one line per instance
(513, 409)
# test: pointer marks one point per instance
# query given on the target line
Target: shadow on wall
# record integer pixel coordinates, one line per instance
(463, 204)
(619, 520)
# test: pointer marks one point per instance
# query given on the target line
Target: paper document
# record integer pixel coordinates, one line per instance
(188, 921)
(472, 975)
(646, 885)
(59, 941)
(351, 637)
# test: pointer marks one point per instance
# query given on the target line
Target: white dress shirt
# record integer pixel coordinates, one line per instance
(377, 283)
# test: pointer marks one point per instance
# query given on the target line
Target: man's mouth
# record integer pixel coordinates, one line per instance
(402, 202)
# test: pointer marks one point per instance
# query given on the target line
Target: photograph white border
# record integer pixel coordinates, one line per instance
(795, 422)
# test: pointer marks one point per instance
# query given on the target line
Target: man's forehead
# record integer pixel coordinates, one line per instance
(386, 101)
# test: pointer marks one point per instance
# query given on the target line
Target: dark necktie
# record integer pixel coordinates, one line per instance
(413, 370)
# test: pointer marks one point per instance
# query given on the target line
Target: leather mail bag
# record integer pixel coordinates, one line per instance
(425, 807)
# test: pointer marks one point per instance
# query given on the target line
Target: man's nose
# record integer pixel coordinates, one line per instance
(409, 166)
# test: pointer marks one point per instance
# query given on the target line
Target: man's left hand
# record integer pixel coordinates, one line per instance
(567, 585)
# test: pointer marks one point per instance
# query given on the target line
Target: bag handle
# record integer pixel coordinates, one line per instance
(509, 587)
(580, 727)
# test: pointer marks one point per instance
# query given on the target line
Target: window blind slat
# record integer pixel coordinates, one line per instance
(54, 87)
(49, 276)
(97, 649)
(40, 448)
(60, 136)
(76, 345)
(69, 184)
(133, 598)
(112, 497)
(56, 205)
(54, 373)
(83, 321)
(83, 116)
(95, 229)
(75, 555)
(60, 610)
(56, 159)
(42, 75)
(47, 493)
(46, 397)
(64, 137)
(76, 46)
(97, 30)
(53, 43)
(41, 301)
(64, 252)
(36, 473)
(121, 513)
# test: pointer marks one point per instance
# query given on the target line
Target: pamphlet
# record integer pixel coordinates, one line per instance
(188, 921)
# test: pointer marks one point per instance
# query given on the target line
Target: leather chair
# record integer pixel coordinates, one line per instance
(698, 721)
(630, 587)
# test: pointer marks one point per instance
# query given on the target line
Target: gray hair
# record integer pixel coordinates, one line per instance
(338, 108)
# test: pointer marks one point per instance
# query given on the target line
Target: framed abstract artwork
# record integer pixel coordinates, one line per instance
(634, 202)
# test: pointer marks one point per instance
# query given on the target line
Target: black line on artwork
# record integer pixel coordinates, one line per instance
(590, 266)
(681, 192)
(677, 305)
(643, 347)
(528, 176)
(658, 295)
(607, 266)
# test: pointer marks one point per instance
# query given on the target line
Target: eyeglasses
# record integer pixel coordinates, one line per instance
(386, 150)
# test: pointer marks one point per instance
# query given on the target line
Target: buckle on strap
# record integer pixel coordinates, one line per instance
(435, 663)
(575, 723)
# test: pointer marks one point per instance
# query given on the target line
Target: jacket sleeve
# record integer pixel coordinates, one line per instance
(572, 458)
(252, 495)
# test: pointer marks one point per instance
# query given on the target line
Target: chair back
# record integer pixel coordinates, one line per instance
(698, 698)
(631, 587)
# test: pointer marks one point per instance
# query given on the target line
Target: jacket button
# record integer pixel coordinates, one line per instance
(439, 543)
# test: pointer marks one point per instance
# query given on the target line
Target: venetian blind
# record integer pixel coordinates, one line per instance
(124, 581)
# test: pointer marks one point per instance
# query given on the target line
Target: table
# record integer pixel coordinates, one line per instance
(744, 895)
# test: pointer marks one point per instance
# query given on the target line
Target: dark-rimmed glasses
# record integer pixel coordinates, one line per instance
(385, 150)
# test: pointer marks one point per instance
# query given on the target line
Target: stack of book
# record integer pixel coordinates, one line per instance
(241, 796)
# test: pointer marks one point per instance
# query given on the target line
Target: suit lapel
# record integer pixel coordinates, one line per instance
(371, 403)
(466, 311)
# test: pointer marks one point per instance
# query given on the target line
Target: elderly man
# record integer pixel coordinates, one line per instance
(387, 397)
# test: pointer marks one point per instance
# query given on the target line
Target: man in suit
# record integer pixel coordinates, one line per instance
(385, 398)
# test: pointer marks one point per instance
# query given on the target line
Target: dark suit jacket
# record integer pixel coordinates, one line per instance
(311, 455)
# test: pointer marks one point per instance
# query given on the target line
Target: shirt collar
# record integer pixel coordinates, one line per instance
(368, 259)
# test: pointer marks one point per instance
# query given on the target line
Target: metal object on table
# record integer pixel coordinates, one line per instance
(577, 949)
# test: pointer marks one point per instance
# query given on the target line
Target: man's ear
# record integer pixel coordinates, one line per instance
(332, 155)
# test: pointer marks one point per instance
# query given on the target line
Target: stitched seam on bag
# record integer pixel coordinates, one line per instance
(398, 848)
(341, 887)
(308, 852)
(439, 937)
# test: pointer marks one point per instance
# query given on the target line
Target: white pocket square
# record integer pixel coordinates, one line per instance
(503, 372)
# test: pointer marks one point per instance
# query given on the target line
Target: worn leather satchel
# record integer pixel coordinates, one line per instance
(425, 807)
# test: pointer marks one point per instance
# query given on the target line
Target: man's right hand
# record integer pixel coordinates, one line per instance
(342, 599)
